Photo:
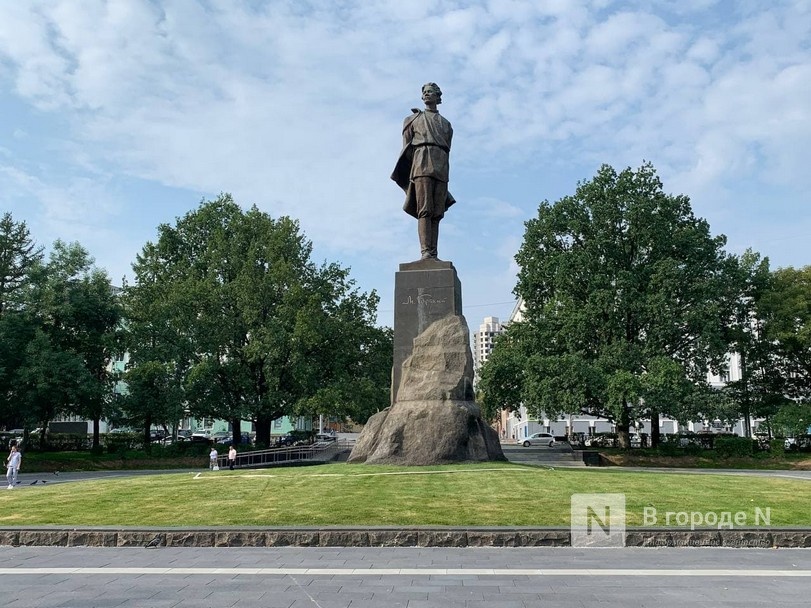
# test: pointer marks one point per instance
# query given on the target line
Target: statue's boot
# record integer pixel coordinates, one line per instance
(424, 229)
(434, 236)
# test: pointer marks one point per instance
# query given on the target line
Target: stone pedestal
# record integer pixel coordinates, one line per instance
(435, 419)
(424, 291)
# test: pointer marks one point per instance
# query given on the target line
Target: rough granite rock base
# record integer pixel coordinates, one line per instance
(435, 420)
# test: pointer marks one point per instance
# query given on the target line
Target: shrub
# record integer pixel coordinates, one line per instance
(67, 442)
(117, 443)
(670, 448)
(693, 449)
(179, 449)
(734, 446)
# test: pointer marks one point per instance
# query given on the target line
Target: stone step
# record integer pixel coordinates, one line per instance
(559, 455)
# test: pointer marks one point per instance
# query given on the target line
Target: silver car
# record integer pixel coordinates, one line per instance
(537, 439)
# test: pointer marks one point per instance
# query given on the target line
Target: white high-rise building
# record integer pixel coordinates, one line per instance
(484, 339)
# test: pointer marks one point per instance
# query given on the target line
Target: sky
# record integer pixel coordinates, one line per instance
(117, 116)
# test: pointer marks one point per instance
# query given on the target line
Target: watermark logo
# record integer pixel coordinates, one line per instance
(598, 520)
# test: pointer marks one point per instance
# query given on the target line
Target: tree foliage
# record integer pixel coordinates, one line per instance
(760, 390)
(57, 330)
(19, 256)
(626, 299)
(788, 309)
(231, 302)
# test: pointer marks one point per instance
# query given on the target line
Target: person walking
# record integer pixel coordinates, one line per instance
(232, 457)
(212, 459)
(13, 463)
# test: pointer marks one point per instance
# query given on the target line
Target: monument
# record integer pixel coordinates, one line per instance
(433, 417)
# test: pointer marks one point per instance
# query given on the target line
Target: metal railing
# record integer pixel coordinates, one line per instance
(319, 452)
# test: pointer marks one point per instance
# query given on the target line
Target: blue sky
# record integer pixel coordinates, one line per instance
(118, 116)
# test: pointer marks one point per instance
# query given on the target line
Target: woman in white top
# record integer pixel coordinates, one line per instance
(13, 463)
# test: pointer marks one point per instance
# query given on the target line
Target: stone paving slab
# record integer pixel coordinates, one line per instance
(470, 577)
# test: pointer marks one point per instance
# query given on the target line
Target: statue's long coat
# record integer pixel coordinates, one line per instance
(402, 170)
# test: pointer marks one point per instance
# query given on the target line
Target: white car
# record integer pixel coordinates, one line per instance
(537, 439)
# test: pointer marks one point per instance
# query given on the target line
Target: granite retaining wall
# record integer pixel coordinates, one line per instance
(392, 537)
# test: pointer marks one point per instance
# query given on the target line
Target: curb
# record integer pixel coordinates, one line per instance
(393, 537)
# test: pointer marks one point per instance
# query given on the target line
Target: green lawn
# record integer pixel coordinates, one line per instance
(486, 494)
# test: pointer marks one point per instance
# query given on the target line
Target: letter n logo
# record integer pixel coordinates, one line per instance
(598, 520)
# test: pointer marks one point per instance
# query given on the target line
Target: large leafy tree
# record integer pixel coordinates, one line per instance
(626, 296)
(760, 389)
(20, 258)
(788, 309)
(254, 327)
(66, 368)
(153, 397)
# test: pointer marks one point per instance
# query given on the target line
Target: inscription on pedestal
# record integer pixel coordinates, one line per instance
(424, 292)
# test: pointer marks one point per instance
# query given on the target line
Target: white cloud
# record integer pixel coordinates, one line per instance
(297, 108)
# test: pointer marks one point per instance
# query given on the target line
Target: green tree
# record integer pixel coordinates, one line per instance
(51, 381)
(788, 306)
(258, 330)
(626, 298)
(792, 419)
(153, 397)
(760, 389)
(77, 317)
(20, 258)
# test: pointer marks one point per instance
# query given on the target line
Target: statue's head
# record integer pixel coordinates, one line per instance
(437, 91)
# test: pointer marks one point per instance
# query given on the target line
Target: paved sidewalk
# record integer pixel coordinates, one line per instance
(401, 577)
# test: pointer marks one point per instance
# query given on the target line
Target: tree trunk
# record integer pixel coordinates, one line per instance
(263, 430)
(236, 431)
(623, 426)
(96, 433)
(655, 431)
(147, 438)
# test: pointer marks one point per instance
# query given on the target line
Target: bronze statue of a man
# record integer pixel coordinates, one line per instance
(423, 167)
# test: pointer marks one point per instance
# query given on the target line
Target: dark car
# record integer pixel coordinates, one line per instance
(245, 439)
(183, 434)
(284, 441)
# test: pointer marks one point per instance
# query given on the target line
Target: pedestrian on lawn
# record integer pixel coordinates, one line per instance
(13, 463)
(232, 457)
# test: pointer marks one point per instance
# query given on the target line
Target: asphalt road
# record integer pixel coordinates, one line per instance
(291, 577)
(32, 480)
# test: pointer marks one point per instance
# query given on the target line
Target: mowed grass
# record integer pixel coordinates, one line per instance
(486, 494)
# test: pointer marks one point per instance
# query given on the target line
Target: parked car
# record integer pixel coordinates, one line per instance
(284, 441)
(546, 439)
(183, 435)
(201, 436)
(226, 439)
